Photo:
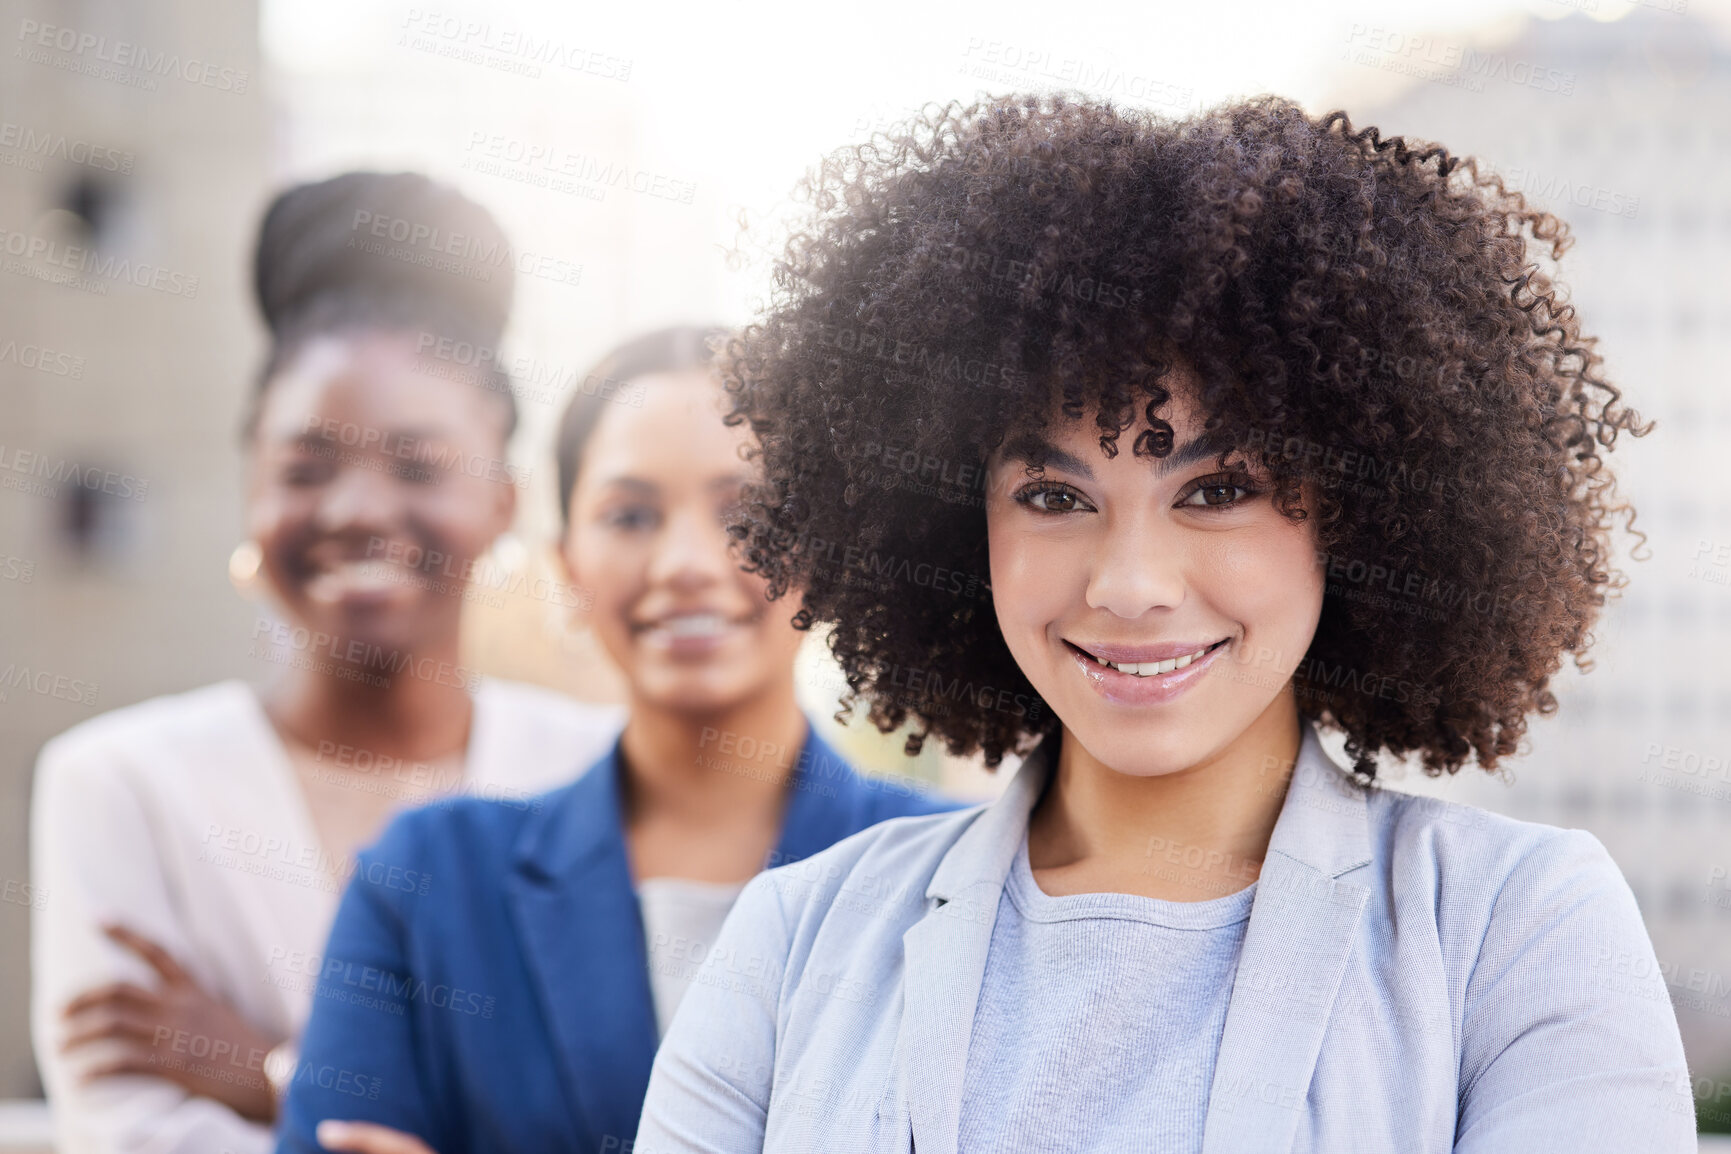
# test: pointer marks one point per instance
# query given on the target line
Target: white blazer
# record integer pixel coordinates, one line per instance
(181, 817)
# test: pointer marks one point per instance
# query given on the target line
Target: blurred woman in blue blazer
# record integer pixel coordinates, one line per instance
(500, 973)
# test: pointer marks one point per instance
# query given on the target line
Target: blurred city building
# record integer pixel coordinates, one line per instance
(1624, 130)
(132, 167)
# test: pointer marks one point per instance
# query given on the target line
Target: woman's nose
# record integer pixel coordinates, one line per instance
(358, 498)
(1136, 568)
(692, 550)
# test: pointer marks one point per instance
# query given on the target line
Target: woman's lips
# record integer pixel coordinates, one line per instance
(1146, 659)
(1153, 688)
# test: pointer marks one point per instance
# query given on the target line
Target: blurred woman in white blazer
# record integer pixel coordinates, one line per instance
(194, 846)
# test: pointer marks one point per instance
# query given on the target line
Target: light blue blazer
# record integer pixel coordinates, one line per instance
(1417, 976)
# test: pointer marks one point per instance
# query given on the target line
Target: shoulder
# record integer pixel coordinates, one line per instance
(1476, 844)
(868, 798)
(883, 869)
(1488, 879)
(1547, 959)
(185, 728)
(892, 797)
(477, 834)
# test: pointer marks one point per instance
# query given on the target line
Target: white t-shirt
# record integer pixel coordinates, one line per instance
(1099, 1020)
(681, 919)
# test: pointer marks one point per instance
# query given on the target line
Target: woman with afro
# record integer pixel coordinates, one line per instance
(1147, 451)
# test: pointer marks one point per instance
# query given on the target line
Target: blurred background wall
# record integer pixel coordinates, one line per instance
(139, 142)
(1629, 140)
(127, 198)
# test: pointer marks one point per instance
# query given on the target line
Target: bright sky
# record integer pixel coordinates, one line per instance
(739, 99)
(749, 93)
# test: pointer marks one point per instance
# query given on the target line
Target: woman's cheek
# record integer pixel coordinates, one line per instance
(1281, 596)
(610, 612)
(1005, 559)
(460, 527)
(1047, 577)
(1024, 594)
(757, 588)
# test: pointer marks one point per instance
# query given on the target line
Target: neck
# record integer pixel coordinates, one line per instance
(408, 717)
(712, 765)
(1191, 835)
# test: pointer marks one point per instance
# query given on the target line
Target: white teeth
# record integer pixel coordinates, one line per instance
(344, 578)
(696, 625)
(1155, 668)
(687, 627)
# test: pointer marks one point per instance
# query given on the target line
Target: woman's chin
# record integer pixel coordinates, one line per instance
(695, 691)
(1148, 749)
(384, 629)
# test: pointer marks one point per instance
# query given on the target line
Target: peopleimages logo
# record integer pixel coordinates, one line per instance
(38, 473)
(561, 170)
(472, 256)
(38, 145)
(77, 259)
(91, 51)
(46, 683)
(518, 50)
(42, 359)
(1459, 64)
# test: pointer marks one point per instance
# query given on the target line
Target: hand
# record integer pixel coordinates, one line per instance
(367, 1138)
(177, 1031)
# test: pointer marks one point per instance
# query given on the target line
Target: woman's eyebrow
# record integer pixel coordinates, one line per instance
(636, 484)
(353, 435)
(1195, 451)
(1032, 449)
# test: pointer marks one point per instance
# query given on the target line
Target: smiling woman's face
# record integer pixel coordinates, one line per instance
(1158, 605)
(689, 629)
(374, 486)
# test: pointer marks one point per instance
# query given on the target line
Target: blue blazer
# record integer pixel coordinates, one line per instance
(486, 983)
(1416, 976)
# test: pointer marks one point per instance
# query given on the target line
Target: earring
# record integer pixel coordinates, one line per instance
(244, 564)
(507, 553)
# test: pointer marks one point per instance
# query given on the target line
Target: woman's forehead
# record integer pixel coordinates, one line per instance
(1081, 432)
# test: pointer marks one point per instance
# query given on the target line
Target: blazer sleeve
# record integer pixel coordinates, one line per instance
(359, 1058)
(94, 859)
(710, 1085)
(1569, 1041)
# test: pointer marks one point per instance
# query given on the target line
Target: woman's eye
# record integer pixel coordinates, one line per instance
(629, 518)
(1216, 495)
(1050, 500)
(300, 473)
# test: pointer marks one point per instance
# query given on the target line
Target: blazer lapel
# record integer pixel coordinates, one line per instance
(945, 959)
(575, 906)
(1302, 927)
